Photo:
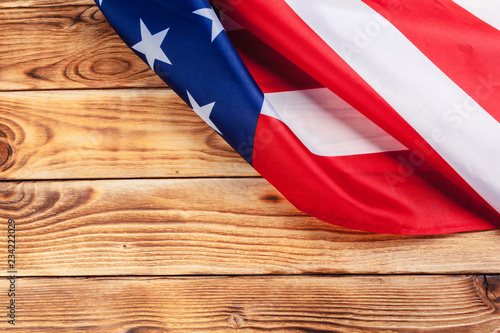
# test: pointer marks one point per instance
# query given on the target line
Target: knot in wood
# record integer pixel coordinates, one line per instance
(5, 152)
(236, 321)
(491, 285)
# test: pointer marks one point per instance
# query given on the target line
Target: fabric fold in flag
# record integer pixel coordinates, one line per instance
(326, 131)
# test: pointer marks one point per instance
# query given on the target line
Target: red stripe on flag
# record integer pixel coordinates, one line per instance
(464, 47)
(384, 192)
(272, 71)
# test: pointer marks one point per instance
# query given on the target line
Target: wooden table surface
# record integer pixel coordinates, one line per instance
(132, 215)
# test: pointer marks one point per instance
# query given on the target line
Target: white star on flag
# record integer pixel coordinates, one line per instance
(203, 111)
(150, 45)
(100, 2)
(210, 14)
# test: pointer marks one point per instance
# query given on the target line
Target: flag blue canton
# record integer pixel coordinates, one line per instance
(184, 43)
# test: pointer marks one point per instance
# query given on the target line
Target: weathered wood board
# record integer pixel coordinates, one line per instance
(257, 304)
(209, 226)
(67, 47)
(123, 133)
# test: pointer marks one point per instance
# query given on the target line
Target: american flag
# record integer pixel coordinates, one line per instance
(375, 115)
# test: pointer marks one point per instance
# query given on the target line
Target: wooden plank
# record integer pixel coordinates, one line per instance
(63, 48)
(206, 227)
(109, 134)
(44, 3)
(256, 304)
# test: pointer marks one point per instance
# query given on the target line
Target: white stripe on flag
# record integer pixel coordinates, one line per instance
(461, 131)
(327, 125)
(486, 10)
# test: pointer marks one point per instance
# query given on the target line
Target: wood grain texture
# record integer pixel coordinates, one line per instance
(109, 134)
(206, 227)
(258, 304)
(44, 3)
(66, 48)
